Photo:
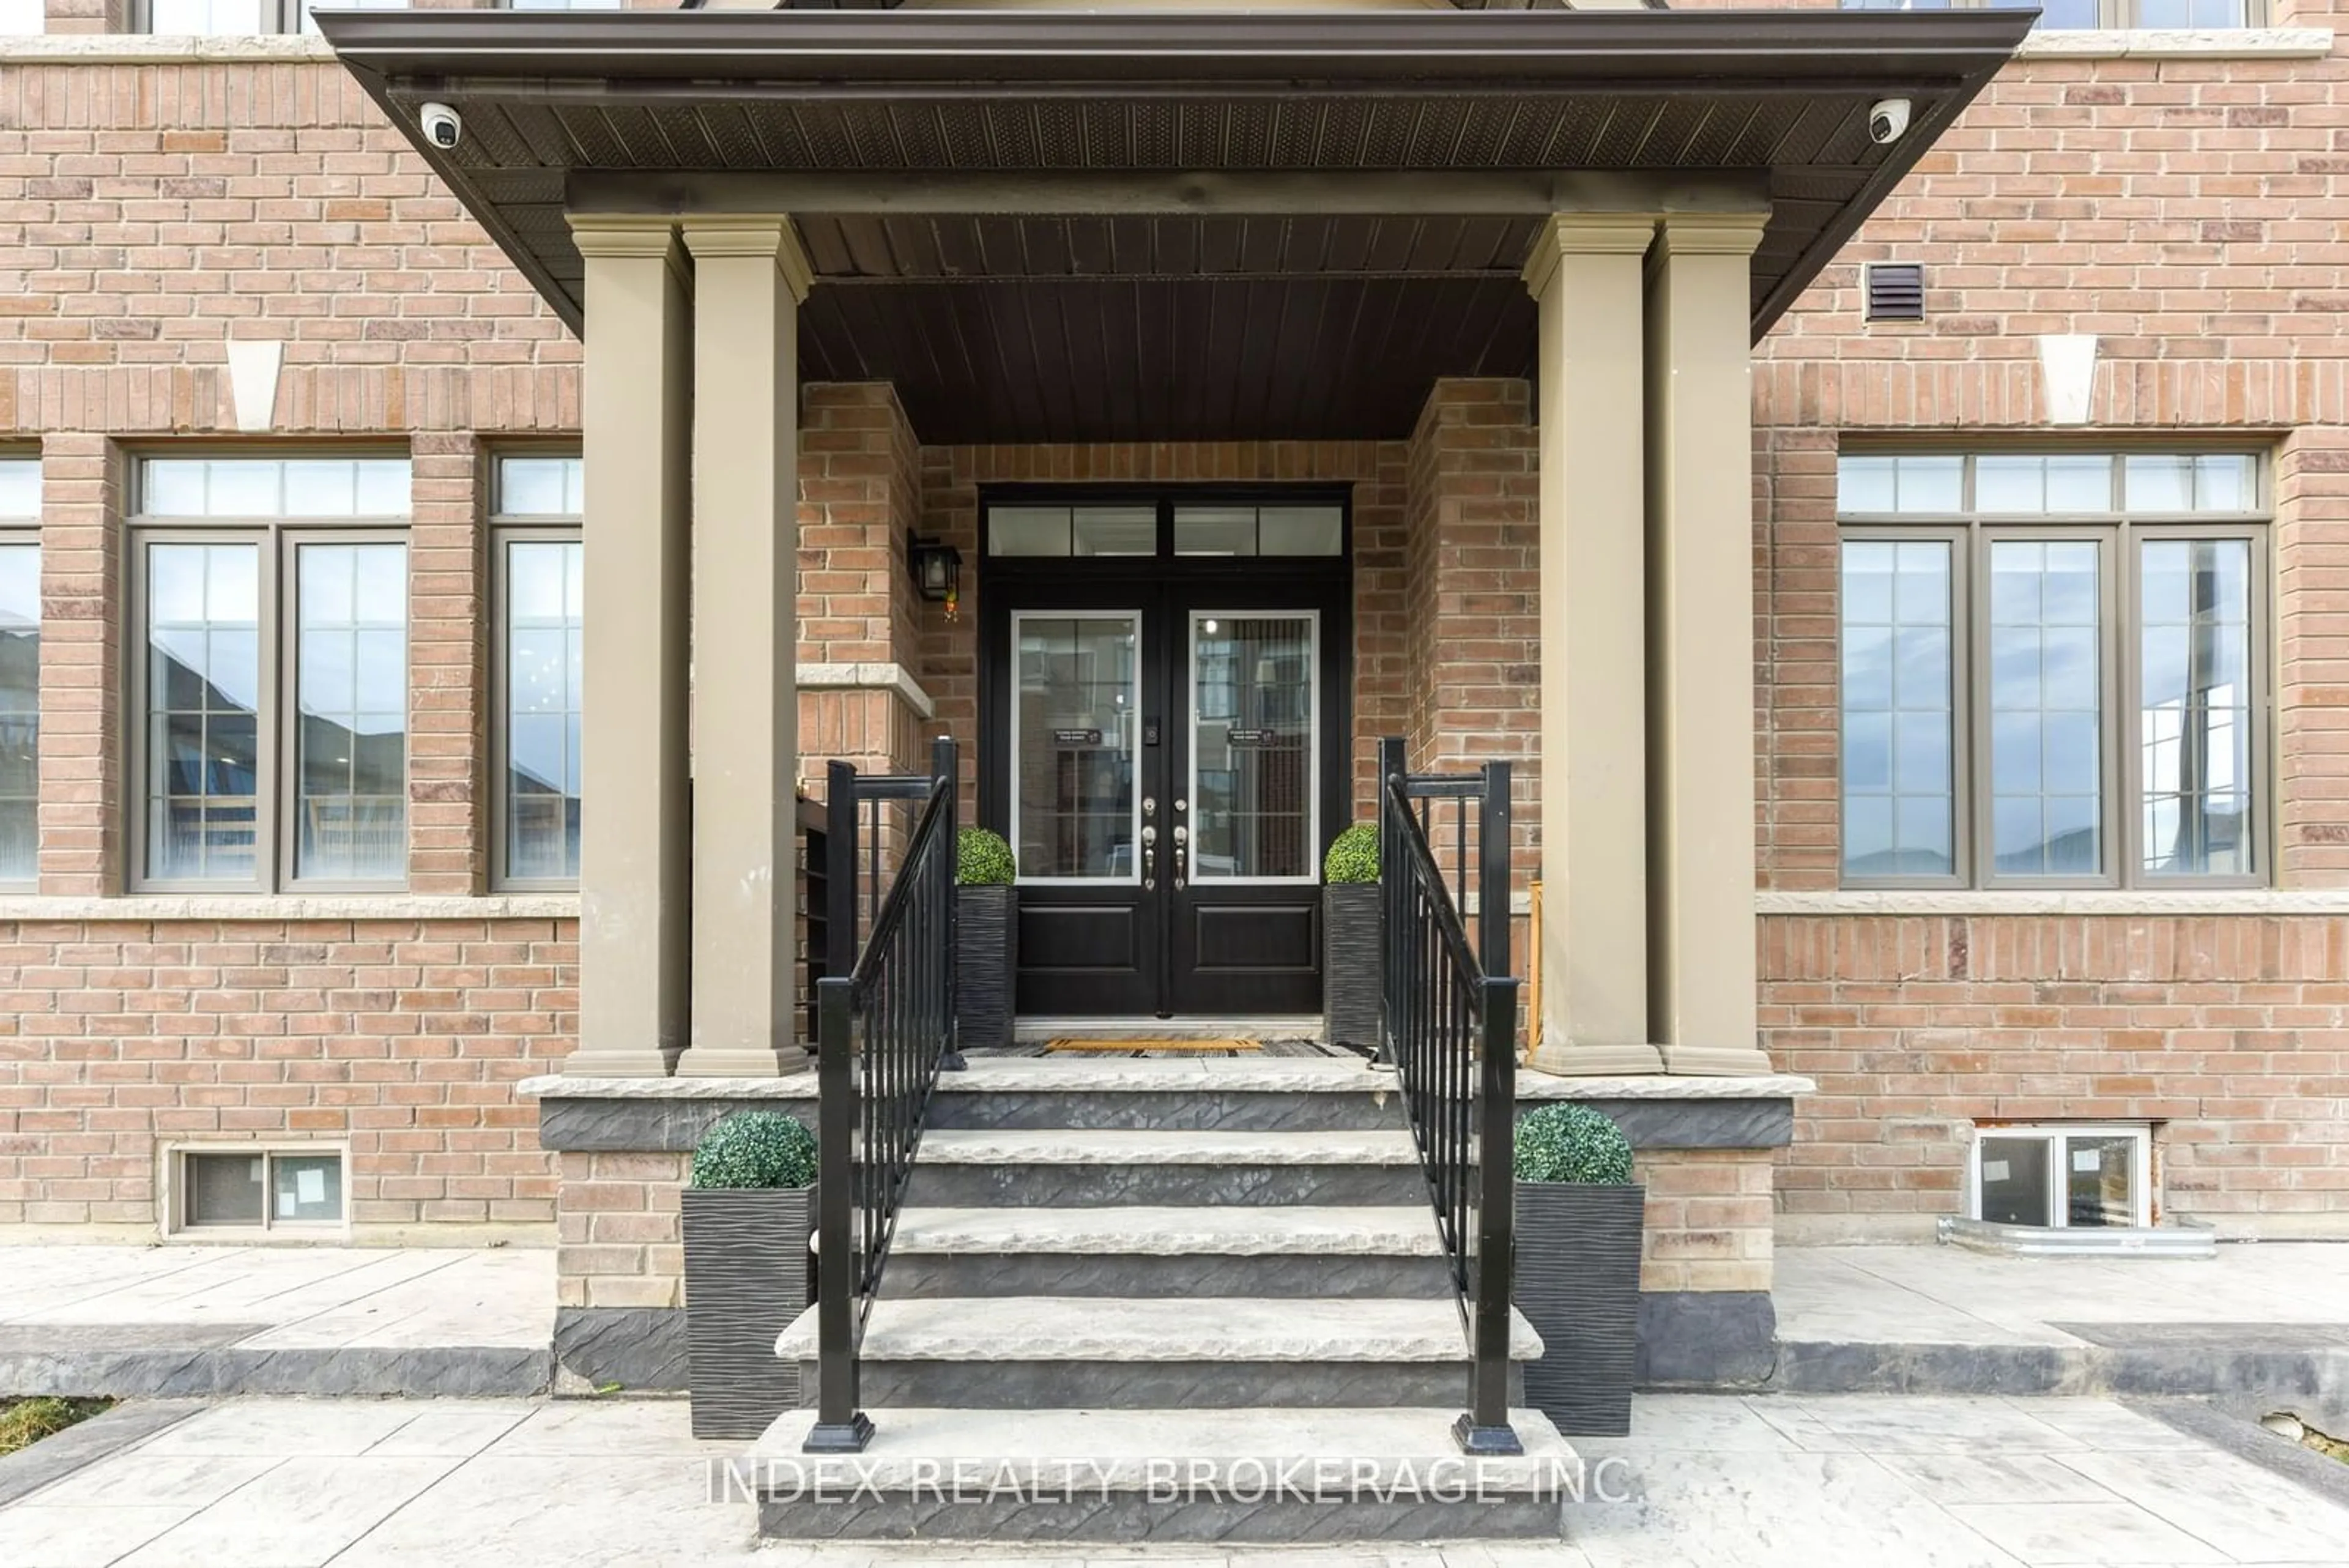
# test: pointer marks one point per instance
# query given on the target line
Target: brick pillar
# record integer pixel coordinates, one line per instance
(448, 702)
(2312, 547)
(1473, 615)
(83, 578)
(88, 15)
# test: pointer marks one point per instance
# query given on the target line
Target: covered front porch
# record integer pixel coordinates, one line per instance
(1481, 287)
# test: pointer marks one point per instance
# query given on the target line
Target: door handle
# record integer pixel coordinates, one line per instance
(1149, 857)
(1181, 836)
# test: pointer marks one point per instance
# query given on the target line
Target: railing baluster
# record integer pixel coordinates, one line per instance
(1449, 1028)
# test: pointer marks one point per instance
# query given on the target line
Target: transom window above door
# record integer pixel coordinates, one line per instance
(2053, 669)
(1203, 529)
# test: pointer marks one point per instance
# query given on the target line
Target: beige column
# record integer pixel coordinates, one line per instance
(634, 897)
(1701, 754)
(1585, 273)
(750, 276)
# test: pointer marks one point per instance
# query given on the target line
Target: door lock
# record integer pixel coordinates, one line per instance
(1149, 857)
(1181, 837)
(1149, 806)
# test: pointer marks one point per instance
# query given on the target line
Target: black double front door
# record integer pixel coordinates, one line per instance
(1166, 749)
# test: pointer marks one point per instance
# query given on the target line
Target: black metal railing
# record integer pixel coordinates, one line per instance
(1450, 1027)
(885, 1030)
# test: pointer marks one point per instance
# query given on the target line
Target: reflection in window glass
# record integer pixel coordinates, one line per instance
(1076, 680)
(2046, 673)
(2194, 723)
(1027, 530)
(1214, 530)
(208, 17)
(2190, 14)
(2099, 1180)
(542, 487)
(2014, 1180)
(351, 742)
(1899, 788)
(306, 1188)
(20, 708)
(1300, 530)
(1871, 485)
(22, 18)
(1252, 746)
(545, 628)
(204, 691)
(20, 489)
(2064, 482)
(1116, 530)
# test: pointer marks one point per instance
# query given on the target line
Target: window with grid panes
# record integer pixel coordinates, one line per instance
(2052, 669)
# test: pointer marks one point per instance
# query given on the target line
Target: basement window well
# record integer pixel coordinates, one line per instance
(297, 1190)
(2062, 1177)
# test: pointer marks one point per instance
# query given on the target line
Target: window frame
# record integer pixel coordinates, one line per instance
(2142, 1207)
(2112, 15)
(510, 528)
(276, 711)
(2119, 534)
(17, 532)
(179, 1187)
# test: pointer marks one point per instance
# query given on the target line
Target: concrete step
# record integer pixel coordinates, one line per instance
(1274, 1095)
(1138, 1353)
(1237, 1249)
(1262, 1476)
(1086, 1168)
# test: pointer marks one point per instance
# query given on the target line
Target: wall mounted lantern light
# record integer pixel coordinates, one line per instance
(938, 570)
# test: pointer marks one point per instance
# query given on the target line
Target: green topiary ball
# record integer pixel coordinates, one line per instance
(1353, 855)
(754, 1149)
(983, 860)
(1564, 1141)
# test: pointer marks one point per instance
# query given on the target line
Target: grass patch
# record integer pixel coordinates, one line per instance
(23, 1422)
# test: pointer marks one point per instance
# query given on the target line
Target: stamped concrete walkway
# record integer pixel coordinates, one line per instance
(1768, 1482)
(201, 1320)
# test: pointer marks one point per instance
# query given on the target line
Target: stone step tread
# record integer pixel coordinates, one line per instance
(1076, 1073)
(1131, 1450)
(1146, 1146)
(1226, 1231)
(1160, 1329)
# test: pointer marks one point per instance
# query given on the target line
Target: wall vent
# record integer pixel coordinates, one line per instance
(1895, 291)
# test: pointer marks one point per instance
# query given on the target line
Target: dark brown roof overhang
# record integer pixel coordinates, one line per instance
(872, 121)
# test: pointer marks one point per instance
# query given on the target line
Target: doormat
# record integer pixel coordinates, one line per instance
(1152, 1047)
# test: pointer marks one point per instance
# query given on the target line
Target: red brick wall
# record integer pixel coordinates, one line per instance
(2181, 210)
(402, 1037)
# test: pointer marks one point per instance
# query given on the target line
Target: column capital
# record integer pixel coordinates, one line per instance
(1566, 234)
(1710, 233)
(754, 235)
(625, 235)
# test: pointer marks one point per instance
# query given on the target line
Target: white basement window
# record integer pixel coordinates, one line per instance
(2062, 1177)
(297, 1190)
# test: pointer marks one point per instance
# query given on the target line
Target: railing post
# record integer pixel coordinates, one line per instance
(841, 1426)
(839, 871)
(1493, 873)
(1391, 913)
(1484, 1427)
(944, 766)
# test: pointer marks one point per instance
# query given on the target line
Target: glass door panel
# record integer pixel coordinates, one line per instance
(1076, 682)
(1255, 746)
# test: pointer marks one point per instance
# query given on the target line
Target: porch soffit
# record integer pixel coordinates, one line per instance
(1138, 207)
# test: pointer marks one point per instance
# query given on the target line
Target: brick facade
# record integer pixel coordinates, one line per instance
(2179, 208)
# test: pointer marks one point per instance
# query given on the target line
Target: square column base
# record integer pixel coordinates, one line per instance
(1717, 1061)
(707, 1061)
(1573, 1059)
(651, 1063)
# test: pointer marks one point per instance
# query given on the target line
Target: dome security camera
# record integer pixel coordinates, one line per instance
(442, 125)
(1887, 120)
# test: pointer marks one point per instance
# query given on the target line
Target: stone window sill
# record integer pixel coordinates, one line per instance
(161, 49)
(282, 906)
(2080, 901)
(2163, 44)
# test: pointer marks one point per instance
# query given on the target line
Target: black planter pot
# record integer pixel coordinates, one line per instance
(748, 1273)
(987, 961)
(1350, 963)
(1578, 1283)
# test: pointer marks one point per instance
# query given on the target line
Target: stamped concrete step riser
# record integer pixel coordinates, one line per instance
(1061, 1186)
(1140, 1274)
(1208, 1111)
(1128, 1516)
(1161, 1384)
